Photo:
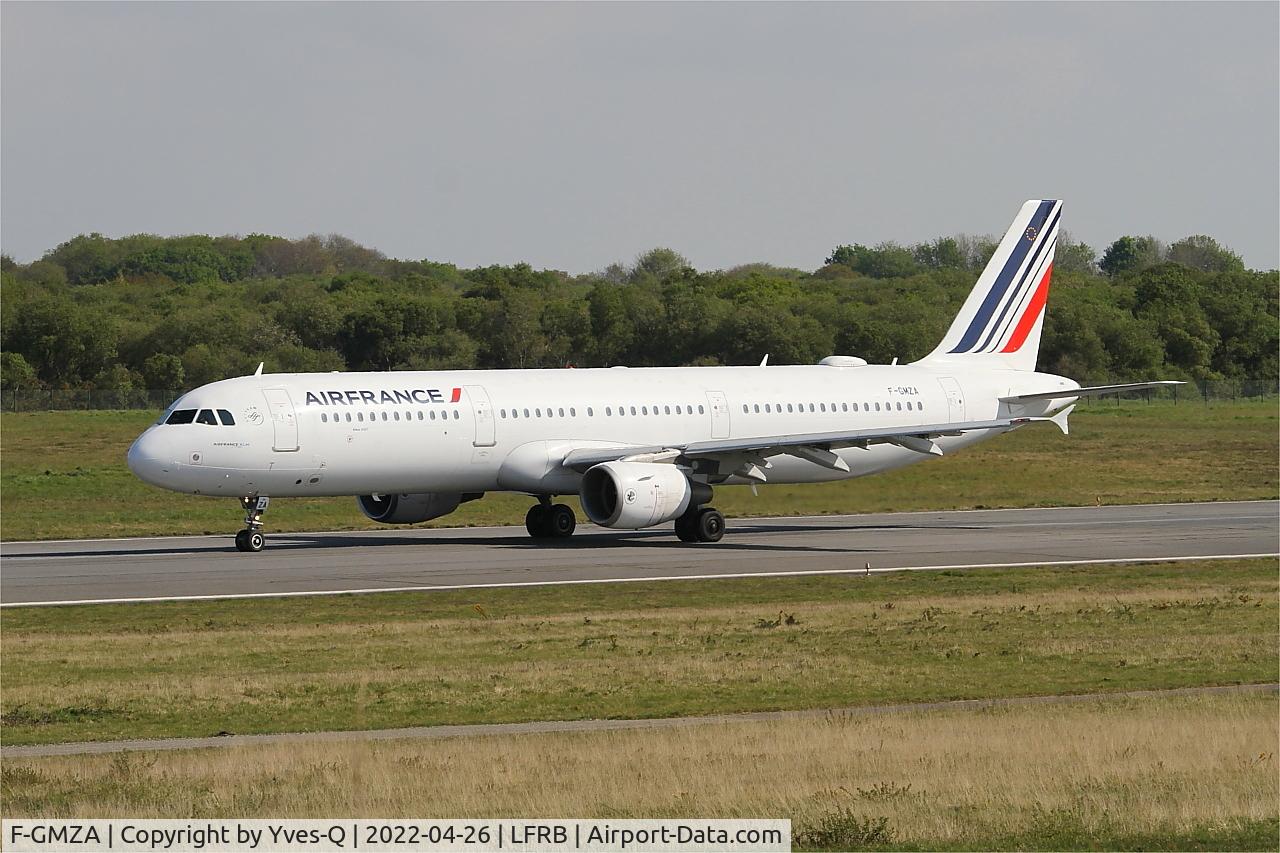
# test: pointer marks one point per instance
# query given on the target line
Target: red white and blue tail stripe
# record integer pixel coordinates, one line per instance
(1002, 319)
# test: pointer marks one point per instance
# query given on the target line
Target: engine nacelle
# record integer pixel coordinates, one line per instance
(631, 495)
(410, 509)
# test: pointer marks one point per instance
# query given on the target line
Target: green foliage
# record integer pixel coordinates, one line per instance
(15, 373)
(179, 312)
(1204, 253)
(1131, 254)
(1072, 256)
(163, 371)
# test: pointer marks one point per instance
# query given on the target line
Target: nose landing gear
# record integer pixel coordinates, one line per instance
(251, 539)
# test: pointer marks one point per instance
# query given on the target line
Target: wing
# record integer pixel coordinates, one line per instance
(1089, 391)
(752, 453)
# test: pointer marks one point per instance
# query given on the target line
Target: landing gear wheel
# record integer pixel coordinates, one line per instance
(559, 521)
(535, 521)
(686, 528)
(250, 541)
(709, 525)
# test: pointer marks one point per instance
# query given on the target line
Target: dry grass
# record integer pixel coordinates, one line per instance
(699, 647)
(1156, 771)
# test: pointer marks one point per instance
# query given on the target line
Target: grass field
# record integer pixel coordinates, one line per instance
(62, 475)
(106, 672)
(1151, 773)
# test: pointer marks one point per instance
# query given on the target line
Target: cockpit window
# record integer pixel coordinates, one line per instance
(206, 416)
(227, 420)
(182, 416)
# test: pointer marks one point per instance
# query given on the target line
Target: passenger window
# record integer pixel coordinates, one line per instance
(877, 407)
(789, 407)
(397, 414)
(324, 419)
(757, 408)
(644, 410)
(537, 413)
(608, 410)
(349, 417)
(456, 416)
(526, 413)
(768, 409)
(822, 407)
(359, 417)
(561, 411)
(844, 407)
(419, 414)
(502, 413)
(182, 416)
(633, 410)
(590, 412)
(678, 412)
(433, 413)
(206, 416)
(899, 406)
(573, 413)
(227, 420)
(701, 410)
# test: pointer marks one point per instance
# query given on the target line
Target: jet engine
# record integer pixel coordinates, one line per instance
(411, 509)
(631, 495)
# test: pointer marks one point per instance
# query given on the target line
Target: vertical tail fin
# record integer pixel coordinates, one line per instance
(1001, 321)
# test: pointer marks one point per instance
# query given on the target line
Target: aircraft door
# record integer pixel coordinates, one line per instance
(719, 414)
(483, 412)
(955, 399)
(283, 419)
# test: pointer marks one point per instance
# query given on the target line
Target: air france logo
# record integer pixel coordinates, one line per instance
(407, 395)
(631, 496)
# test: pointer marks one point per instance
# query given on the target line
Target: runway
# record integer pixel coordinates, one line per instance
(197, 567)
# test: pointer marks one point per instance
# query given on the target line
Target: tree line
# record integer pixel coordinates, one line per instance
(155, 312)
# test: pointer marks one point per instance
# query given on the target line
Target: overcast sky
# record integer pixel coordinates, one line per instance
(574, 135)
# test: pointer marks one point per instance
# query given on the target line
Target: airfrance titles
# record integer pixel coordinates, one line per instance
(397, 395)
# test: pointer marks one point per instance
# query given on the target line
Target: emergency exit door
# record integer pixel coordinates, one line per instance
(719, 414)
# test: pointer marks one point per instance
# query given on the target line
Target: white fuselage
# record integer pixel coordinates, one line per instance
(507, 430)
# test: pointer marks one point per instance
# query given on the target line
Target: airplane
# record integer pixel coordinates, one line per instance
(639, 446)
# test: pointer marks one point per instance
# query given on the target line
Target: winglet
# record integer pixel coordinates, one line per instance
(764, 362)
(258, 372)
(1060, 419)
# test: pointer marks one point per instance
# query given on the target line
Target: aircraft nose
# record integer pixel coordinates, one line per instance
(146, 460)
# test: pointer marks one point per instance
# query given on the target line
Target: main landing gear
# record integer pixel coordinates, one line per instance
(700, 524)
(251, 539)
(550, 521)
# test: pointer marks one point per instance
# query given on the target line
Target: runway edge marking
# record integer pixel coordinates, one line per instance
(586, 581)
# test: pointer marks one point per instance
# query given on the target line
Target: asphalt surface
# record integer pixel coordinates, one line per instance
(327, 563)
(540, 727)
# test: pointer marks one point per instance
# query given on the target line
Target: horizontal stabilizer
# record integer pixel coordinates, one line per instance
(1060, 420)
(1089, 391)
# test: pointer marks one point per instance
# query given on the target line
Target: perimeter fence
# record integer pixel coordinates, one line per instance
(56, 400)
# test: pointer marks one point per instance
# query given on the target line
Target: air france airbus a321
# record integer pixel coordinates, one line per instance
(641, 446)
